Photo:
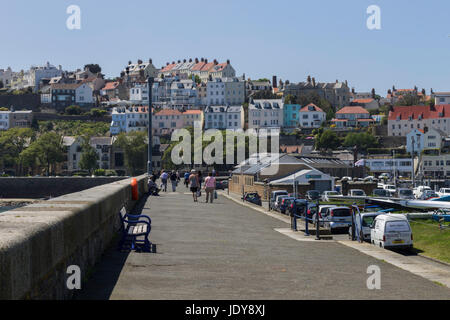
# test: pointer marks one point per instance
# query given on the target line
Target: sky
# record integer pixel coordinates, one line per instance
(292, 39)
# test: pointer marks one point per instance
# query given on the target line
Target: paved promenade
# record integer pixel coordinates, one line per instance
(227, 251)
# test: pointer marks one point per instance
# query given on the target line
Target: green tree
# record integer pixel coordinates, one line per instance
(47, 151)
(73, 110)
(89, 158)
(98, 113)
(362, 141)
(409, 99)
(134, 145)
(12, 143)
(327, 140)
(197, 79)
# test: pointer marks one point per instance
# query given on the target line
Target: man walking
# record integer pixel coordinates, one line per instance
(186, 179)
(164, 177)
(174, 181)
(210, 187)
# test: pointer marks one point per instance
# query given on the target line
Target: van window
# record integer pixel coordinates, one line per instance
(367, 221)
(397, 226)
(341, 212)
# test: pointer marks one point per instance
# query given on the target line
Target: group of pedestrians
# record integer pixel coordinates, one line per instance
(193, 180)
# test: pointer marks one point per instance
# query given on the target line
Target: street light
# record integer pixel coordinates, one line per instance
(150, 118)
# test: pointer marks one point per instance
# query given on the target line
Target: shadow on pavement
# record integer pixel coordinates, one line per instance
(104, 276)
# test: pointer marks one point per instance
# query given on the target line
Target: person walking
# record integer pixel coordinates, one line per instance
(174, 181)
(200, 180)
(164, 177)
(193, 180)
(186, 179)
(210, 187)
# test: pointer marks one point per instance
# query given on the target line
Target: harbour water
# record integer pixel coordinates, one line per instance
(4, 209)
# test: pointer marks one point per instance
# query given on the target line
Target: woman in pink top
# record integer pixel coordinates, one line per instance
(210, 187)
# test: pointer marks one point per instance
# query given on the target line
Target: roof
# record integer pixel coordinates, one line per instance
(167, 112)
(309, 107)
(363, 101)
(111, 85)
(426, 112)
(355, 109)
(267, 104)
(218, 109)
(101, 140)
(192, 112)
(291, 149)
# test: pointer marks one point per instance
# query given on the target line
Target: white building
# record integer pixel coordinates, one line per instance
(441, 98)
(311, 116)
(6, 77)
(225, 91)
(401, 166)
(265, 113)
(129, 119)
(224, 117)
(36, 74)
(139, 93)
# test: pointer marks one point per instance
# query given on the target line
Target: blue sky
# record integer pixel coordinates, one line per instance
(327, 39)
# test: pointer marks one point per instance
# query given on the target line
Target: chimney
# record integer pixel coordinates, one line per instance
(173, 62)
(196, 60)
(190, 60)
(150, 61)
(202, 59)
(206, 60)
(167, 63)
(184, 61)
(228, 61)
(274, 82)
(179, 61)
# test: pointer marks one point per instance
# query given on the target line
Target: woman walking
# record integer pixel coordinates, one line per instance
(210, 187)
(193, 179)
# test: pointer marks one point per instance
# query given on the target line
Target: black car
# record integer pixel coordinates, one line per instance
(221, 185)
(302, 205)
(253, 197)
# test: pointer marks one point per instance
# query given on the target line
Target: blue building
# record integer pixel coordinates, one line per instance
(291, 116)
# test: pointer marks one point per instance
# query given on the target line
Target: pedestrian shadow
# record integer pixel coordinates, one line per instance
(102, 278)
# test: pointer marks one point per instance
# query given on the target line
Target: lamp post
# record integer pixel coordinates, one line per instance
(412, 158)
(150, 118)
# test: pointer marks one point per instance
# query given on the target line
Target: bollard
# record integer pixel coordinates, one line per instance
(306, 220)
(134, 189)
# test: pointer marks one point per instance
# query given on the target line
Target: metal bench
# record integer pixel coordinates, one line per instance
(135, 231)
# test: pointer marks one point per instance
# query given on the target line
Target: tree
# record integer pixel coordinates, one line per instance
(89, 158)
(12, 143)
(94, 68)
(290, 99)
(46, 151)
(362, 141)
(197, 79)
(327, 140)
(134, 145)
(98, 113)
(73, 110)
(408, 99)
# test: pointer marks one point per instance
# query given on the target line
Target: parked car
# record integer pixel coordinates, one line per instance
(381, 193)
(323, 212)
(391, 188)
(384, 176)
(338, 218)
(253, 197)
(273, 197)
(363, 222)
(356, 193)
(285, 203)
(370, 179)
(444, 192)
(418, 191)
(346, 179)
(404, 193)
(325, 195)
(222, 185)
(300, 206)
(312, 195)
(391, 231)
(278, 200)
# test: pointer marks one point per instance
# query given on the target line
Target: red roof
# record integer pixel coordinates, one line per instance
(168, 67)
(364, 101)
(167, 112)
(355, 109)
(220, 67)
(198, 66)
(404, 112)
(111, 85)
(306, 109)
(192, 112)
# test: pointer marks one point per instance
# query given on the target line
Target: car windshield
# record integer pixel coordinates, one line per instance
(313, 193)
(397, 226)
(406, 192)
(391, 187)
(358, 192)
(341, 212)
(367, 221)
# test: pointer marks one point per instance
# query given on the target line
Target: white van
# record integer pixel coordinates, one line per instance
(391, 231)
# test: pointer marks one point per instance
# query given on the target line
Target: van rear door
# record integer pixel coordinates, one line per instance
(397, 232)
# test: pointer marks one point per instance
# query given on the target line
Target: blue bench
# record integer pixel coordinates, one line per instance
(135, 230)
